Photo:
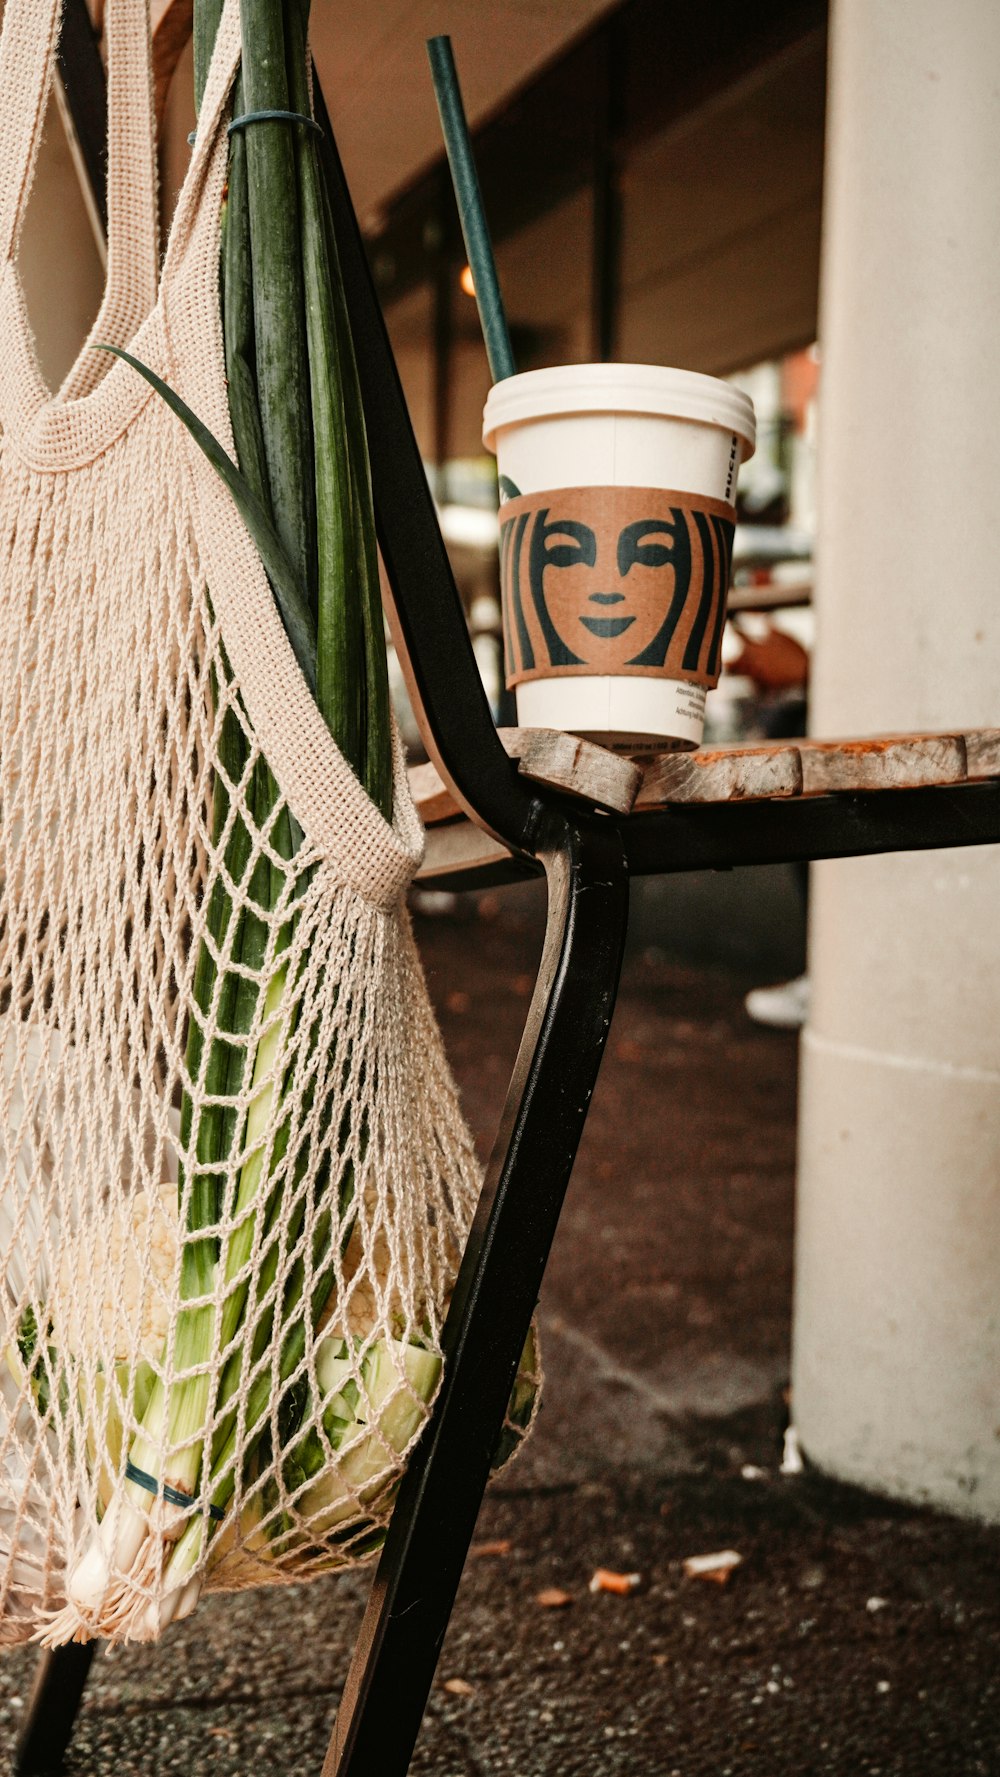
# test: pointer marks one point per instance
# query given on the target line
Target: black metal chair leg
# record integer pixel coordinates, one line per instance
(60, 1678)
(495, 1295)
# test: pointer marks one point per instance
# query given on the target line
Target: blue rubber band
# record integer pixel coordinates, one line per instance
(240, 123)
(172, 1495)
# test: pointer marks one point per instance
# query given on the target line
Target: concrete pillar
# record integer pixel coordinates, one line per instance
(896, 1368)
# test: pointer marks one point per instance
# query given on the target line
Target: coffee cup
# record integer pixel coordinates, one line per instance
(618, 496)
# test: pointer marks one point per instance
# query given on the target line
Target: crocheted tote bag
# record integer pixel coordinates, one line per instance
(145, 678)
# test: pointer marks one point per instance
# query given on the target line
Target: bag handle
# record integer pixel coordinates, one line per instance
(27, 62)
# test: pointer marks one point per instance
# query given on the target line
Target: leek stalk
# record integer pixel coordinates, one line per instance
(302, 483)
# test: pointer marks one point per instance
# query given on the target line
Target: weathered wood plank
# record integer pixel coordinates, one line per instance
(885, 762)
(982, 753)
(739, 774)
(577, 767)
(721, 774)
(820, 767)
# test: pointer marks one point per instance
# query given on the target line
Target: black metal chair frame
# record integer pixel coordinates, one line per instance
(587, 858)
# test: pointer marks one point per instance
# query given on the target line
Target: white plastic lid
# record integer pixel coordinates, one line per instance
(619, 388)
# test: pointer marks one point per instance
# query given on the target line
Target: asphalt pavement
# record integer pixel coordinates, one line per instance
(851, 1636)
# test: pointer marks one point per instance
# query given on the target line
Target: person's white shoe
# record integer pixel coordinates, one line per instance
(786, 1006)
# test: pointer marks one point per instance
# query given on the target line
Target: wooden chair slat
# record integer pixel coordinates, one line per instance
(982, 753)
(731, 773)
(889, 762)
(577, 767)
(721, 774)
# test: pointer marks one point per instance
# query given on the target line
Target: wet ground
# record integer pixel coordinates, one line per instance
(856, 1636)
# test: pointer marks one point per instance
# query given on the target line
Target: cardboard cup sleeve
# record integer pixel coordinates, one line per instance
(614, 581)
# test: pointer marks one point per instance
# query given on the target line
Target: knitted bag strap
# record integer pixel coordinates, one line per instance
(27, 64)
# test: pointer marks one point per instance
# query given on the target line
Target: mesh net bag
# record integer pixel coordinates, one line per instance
(179, 1413)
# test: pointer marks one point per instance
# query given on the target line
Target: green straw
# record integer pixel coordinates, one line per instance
(470, 208)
